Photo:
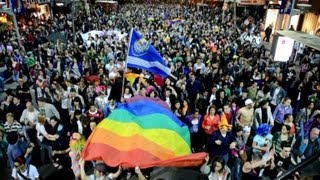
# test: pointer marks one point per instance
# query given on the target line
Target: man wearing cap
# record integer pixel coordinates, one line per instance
(22, 170)
(245, 117)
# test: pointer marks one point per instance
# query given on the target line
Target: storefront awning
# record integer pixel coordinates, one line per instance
(304, 38)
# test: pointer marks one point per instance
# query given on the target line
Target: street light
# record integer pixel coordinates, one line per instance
(11, 13)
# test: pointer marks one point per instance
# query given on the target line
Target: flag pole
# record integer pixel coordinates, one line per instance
(125, 67)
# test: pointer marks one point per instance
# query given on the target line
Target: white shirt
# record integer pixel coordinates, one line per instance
(31, 116)
(41, 131)
(30, 172)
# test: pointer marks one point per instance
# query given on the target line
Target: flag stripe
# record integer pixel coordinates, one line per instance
(141, 99)
(169, 139)
(152, 107)
(150, 122)
(132, 158)
(141, 54)
(142, 63)
(138, 142)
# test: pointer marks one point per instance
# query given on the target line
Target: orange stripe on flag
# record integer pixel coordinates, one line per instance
(103, 136)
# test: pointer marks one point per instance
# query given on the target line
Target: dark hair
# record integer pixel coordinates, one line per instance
(20, 159)
(263, 102)
(218, 160)
(238, 129)
(212, 106)
(287, 127)
(54, 118)
(285, 144)
(41, 99)
(286, 116)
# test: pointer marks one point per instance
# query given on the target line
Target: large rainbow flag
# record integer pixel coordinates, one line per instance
(142, 132)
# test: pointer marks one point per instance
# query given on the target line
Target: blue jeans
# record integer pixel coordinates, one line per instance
(43, 148)
(236, 171)
(1, 83)
(16, 76)
(224, 157)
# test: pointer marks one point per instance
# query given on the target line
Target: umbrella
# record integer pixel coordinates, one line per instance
(57, 35)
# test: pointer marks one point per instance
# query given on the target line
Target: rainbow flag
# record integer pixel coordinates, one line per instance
(142, 132)
(131, 77)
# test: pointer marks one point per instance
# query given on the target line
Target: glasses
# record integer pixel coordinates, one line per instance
(16, 166)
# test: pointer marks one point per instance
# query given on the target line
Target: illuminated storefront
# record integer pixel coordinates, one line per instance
(39, 8)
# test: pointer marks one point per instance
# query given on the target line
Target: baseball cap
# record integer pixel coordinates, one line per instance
(248, 101)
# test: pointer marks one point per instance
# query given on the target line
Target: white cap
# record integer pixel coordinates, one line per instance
(248, 101)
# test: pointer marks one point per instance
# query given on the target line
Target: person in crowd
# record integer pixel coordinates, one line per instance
(282, 137)
(102, 99)
(94, 112)
(312, 123)
(222, 141)
(220, 170)
(263, 114)
(29, 118)
(22, 170)
(44, 140)
(281, 162)
(268, 33)
(17, 108)
(245, 116)
(76, 145)
(253, 168)
(279, 113)
(194, 122)
(288, 120)
(239, 153)
(3, 150)
(305, 114)
(210, 121)
(110, 106)
(59, 141)
(47, 109)
(75, 105)
(262, 141)
(277, 95)
(305, 148)
(100, 172)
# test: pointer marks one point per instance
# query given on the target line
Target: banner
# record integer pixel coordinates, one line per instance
(286, 6)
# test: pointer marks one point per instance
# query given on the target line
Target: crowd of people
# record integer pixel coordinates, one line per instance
(256, 118)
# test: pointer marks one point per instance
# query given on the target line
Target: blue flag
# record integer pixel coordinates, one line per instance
(141, 54)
